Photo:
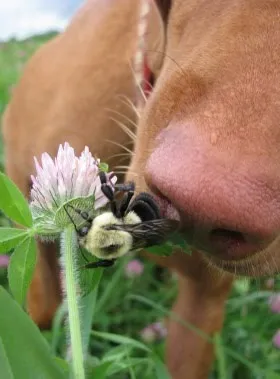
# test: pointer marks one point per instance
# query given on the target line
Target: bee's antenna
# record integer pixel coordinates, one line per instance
(83, 214)
(107, 191)
(70, 217)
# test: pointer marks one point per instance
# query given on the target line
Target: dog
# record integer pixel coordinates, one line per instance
(206, 145)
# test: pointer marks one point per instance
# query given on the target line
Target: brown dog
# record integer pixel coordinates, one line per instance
(207, 144)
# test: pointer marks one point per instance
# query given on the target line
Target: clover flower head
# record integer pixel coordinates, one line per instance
(4, 261)
(160, 329)
(134, 269)
(276, 339)
(64, 178)
(154, 332)
(274, 303)
(148, 334)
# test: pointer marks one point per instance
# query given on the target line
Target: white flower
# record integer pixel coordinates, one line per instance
(65, 178)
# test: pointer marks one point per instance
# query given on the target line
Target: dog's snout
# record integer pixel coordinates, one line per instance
(225, 208)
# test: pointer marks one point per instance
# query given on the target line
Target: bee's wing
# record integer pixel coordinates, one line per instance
(148, 233)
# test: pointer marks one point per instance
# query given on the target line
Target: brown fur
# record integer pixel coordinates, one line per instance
(208, 140)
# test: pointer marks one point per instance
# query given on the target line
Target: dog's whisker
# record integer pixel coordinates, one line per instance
(117, 172)
(124, 172)
(122, 167)
(125, 100)
(124, 155)
(121, 146)
(124, 128)
(133, 123)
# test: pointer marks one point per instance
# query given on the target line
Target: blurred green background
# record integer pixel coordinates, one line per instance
(250, 323)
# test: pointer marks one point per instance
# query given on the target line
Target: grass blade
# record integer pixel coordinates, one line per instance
(121, 340)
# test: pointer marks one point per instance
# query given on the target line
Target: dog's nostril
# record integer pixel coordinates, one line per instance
(231, 244)
(226, 236)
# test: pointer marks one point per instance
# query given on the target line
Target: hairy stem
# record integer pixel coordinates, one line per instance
(71, 288)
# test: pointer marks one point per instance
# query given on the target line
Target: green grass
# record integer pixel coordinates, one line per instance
(125, 306)
(13, 56)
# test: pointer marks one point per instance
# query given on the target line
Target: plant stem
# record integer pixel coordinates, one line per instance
(218, 343)
(71, 288)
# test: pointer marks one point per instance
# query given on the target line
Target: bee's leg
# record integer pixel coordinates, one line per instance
(125, 187)
(124, 204)
(108, 191)
(105, 188)
(118, 211)
(128, 188)
(101, 263)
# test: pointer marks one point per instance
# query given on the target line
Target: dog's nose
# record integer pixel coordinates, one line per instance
(226, 209)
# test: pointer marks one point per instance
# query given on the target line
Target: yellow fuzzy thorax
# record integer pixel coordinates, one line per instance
(109, 244)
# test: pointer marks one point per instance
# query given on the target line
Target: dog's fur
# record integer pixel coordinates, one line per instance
(207, 142)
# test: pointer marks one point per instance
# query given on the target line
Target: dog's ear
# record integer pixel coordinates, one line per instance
(156, 34)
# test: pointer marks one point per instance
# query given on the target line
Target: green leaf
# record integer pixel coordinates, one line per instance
(6, 371)
(175, 241)
(27, 351)
(121, 340)
(64, 366)
(117, 353)
(271, 375)
(242, 286)
(164, 250)
(57, 326)
(10, 237)
(121, 360)
(178, 241)
(13, 203)
(109, 290)
(100, 371)
(103, 167)
(21, 267)
(67, 213)
(161, 370)
(88, 304)
(89, 278)
(126, 364)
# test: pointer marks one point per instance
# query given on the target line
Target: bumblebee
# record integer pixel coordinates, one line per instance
(130, 224)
